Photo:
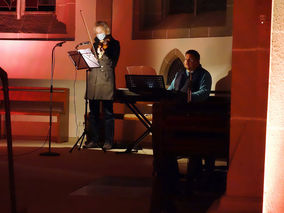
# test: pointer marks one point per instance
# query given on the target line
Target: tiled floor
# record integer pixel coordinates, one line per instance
(94, 181)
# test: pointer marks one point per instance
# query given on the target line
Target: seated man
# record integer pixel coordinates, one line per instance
(201, 78)
(200, 90)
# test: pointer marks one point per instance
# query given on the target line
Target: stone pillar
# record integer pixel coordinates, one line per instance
(274, 157)
(250, 70)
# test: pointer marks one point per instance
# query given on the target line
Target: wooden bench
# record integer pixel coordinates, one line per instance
(195, 129)
(35, 101)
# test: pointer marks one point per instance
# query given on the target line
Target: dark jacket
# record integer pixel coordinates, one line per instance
(101, 84)
(201, 83)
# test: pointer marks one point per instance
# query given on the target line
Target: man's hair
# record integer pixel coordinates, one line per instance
(194, 53)
(104, 25)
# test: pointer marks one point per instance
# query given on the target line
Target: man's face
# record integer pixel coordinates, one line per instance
(190, 62)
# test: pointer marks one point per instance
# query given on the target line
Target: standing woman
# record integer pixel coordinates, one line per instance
(101, 86)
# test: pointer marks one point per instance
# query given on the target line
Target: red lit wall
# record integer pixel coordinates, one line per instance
(29, 59)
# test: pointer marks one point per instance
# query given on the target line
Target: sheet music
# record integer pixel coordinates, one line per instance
(89, 58)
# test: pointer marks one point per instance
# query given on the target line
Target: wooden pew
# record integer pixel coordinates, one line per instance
(35, 101)
(195, 129)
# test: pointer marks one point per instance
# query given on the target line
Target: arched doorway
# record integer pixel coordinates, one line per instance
(171, 64)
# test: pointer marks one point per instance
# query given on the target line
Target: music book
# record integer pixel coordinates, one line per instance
(89, 58)
(84, 59)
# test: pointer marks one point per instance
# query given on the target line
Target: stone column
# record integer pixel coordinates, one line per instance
(250, 71)
(274, 157)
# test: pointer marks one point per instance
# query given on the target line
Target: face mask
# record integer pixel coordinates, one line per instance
(101, 36)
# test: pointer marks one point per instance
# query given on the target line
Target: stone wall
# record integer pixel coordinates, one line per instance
(274, 173)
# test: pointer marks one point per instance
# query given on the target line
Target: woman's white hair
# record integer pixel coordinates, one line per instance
(104, 25)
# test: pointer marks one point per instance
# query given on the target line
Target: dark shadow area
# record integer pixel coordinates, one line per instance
(187, 20)
(224, 84)
(93, 181)
(176, 13)
(188, 6)
(175, 67)
(200, 132)
(113, 183)
(181, 18)
(192, 196)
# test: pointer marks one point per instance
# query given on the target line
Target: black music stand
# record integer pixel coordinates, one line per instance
(83, 61)
(145, 84)
(153, 85)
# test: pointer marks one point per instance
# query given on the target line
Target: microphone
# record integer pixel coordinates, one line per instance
(60, 43)
(82, 43)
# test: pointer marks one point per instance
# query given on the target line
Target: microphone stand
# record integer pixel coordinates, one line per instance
(49, 152)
